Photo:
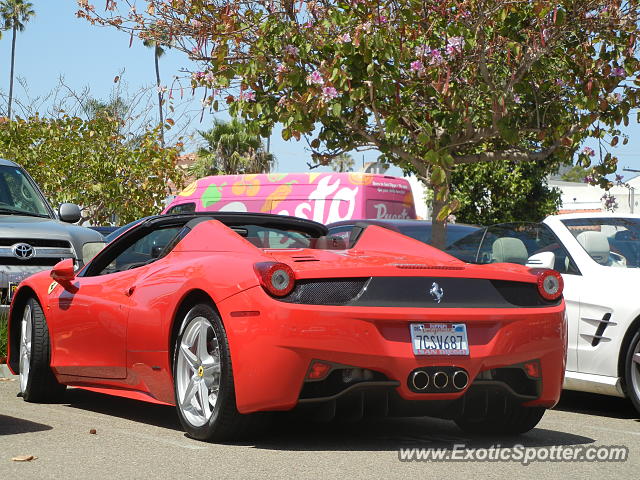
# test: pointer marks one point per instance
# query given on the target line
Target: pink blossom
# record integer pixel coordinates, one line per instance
(344, 38)
(282, 101)
(588, 151)
(423, 50)
(516, 98)
(209, 77)
(436, 58)
(618, 72)
(315, 78)
(281, 68)
(454, 45)
(560, 83)
(617, 97)
(291, 50)
(329, 93)
(247, 96)
(417, 66)
(382, 19)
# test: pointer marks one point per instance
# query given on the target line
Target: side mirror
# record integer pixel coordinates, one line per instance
(63, 271)
(69, 212)
(541, 260)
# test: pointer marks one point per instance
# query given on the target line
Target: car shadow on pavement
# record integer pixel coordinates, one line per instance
(157, 415)
(13, 425)
(599, 405)
(389, 434)
(290, 432)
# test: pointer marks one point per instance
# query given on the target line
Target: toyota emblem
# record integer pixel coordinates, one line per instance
(23, 251)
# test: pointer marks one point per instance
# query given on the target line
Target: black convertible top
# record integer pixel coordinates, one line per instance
(232, 219)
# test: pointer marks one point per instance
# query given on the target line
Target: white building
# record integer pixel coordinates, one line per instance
(582, 197)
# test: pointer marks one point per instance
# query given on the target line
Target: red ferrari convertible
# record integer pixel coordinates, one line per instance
(226, 315)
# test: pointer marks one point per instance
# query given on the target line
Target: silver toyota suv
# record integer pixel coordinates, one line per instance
(32, 236)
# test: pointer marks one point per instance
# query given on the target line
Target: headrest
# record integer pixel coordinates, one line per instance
(596, 245)
(509, 250)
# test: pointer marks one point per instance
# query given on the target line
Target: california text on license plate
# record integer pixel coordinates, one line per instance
(439, 339)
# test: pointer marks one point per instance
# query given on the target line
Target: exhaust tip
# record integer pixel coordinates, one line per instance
(460, 379)
(420, 380)
(440, 380)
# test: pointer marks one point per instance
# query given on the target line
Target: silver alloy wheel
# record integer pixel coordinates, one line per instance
(198, 372)
(26, 335)
(635, 370)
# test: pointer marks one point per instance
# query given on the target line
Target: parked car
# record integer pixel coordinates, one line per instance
(323, 197)
(391, 326)
(111, 236)
(420, 230)
(598, 256)
(104, 230)
(32, 236)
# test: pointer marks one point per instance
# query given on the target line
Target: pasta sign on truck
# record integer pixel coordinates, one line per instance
(323, 197)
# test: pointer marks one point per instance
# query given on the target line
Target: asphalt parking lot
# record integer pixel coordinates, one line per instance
(138, 440)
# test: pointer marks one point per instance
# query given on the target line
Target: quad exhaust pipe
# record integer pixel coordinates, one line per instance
(420, 380)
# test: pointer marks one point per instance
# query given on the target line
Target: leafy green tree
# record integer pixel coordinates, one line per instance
(15, 14)
(504, 191)
(576, 173)
(432, 84)
(231, 148)
(90, 163)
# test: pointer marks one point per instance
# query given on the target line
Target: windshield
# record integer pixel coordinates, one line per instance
(18, 196)
(612, 242)
(512, 243)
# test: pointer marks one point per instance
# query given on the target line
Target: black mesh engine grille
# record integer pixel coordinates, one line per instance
(326, 291)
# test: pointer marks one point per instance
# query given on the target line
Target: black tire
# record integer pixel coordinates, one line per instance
(513, 419)
(226, 423)
(632, 371)
(41, 384)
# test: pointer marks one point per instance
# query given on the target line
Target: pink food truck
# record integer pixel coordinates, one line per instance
(323, 197)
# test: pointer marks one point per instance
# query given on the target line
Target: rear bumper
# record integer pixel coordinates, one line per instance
(273, 349)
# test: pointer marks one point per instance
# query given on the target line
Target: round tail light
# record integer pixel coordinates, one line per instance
(550, 284)
(276, 278)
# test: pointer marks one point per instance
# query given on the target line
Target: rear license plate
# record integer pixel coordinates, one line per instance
(439, 339)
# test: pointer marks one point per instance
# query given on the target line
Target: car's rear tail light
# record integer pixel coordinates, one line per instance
(550, 284)
(276, 278)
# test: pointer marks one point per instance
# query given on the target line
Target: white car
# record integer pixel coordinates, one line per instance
(598, 255)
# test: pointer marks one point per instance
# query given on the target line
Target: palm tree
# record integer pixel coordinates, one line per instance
(15, 14)
(231, 149)
(158, 51)
(342, 163)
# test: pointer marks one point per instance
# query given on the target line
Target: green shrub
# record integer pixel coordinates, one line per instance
(3, 335)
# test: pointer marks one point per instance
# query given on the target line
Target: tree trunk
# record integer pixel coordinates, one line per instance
(13, 58)
(155, 55)
(440, 200)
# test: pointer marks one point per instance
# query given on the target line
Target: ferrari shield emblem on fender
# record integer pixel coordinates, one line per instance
(436, 292)
(52, 287)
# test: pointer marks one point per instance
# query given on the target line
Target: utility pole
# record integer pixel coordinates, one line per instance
(632, 192)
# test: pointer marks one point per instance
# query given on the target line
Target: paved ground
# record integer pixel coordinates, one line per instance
(137, 440)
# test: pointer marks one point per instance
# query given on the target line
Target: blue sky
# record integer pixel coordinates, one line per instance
(56, 43)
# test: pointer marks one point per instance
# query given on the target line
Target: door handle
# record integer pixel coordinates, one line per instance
(129, 291)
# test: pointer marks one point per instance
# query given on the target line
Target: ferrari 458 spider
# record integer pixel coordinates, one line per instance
(226, 315)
